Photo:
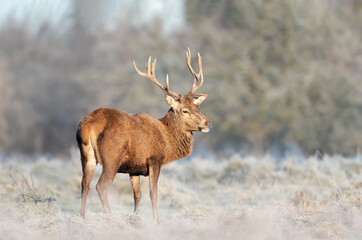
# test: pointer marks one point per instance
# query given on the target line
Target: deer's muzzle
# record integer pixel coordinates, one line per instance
(206, 127)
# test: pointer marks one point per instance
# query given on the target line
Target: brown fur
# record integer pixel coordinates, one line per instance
(133, 144)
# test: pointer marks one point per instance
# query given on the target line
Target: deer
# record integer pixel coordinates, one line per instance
(140, 144)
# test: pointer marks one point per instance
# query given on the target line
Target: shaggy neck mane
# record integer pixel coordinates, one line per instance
(180, 142)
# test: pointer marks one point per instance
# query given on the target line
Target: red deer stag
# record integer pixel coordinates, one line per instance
(140, 144)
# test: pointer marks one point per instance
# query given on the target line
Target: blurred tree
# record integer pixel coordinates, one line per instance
(279, 73)
(42, 100)
(263, 51)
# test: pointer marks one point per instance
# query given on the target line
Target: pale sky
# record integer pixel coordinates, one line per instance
(36, 11)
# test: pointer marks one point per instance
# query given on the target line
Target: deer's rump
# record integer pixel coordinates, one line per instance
(126, 142)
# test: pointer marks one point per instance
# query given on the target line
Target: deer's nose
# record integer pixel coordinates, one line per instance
(207, 123)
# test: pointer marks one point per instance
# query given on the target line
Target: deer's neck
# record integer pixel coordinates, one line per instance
(180, 142)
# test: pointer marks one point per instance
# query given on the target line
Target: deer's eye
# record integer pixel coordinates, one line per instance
(185, 111)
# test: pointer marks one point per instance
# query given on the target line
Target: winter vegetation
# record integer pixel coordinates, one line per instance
(200, 198)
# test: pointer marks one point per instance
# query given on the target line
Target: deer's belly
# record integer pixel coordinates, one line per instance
(133, 169)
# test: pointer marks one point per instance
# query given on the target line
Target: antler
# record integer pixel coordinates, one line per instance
(197, 76)
(151, 74)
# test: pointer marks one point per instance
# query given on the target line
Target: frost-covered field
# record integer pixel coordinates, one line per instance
(233, 198)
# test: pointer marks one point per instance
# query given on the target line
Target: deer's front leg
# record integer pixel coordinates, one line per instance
(154, 172)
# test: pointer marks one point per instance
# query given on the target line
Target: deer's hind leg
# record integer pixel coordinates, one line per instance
(105, 180)
(135, 181)
(89, 164)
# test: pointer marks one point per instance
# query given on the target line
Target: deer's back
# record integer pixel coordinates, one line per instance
(120, 138)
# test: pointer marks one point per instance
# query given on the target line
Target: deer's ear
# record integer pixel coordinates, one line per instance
(199, 98)
(171, 101)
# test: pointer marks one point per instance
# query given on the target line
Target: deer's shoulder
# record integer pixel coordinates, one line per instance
(143, 117)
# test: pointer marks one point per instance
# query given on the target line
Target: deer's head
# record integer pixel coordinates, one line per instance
(186, 107)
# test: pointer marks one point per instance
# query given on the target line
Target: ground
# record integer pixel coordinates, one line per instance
(199, 198)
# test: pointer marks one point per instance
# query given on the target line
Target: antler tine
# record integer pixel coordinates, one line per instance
(151, 74)
(188, 61)
(197, 76)
(201, 73)
(154, 67)
(167, 83)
